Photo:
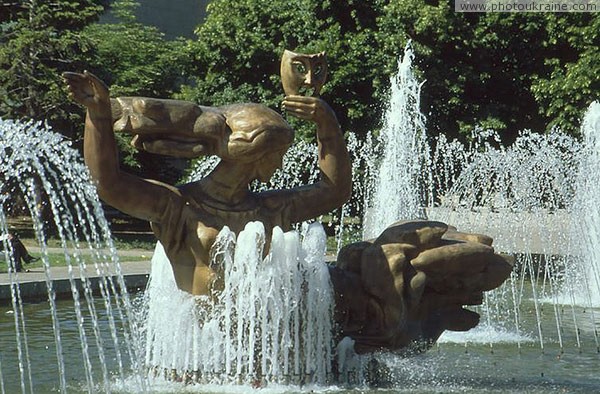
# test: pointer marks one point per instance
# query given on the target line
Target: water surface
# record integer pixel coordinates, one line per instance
(460, 363)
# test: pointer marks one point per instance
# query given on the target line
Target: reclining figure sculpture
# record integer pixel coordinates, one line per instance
(405, 287)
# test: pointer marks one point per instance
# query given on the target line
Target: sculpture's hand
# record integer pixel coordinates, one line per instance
(88, 90)
(416, 278)
(310, 108)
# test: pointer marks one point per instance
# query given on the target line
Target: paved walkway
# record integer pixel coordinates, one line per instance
(33, 287)
(32, 284)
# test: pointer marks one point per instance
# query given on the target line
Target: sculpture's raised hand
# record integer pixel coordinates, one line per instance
(411, 283)
(310, 108)
(88, 90)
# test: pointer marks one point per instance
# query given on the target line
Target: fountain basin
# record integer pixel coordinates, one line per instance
(484, 361)
(33, 284)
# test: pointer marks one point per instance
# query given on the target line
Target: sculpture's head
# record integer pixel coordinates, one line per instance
(258, 137)
(303, 74)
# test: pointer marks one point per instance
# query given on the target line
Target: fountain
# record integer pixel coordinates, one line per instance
(400, 177)
(534, 187)
(584, 229)
(536, 199)
(34, 162)
(268, 319)
(398, 291)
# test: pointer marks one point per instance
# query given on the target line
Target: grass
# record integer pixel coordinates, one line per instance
(127, 233)
(129, 244)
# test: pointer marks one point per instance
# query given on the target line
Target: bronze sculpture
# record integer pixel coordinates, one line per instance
(390, 292)
(250, 139)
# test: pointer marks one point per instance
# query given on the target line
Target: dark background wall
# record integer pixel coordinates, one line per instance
(175, 18)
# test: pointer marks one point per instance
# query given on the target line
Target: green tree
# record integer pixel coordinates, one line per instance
(42, 39)
(477, 67)
(505, 71)
(137, 60)
(573, 60)
(39, 40)
(240, 43)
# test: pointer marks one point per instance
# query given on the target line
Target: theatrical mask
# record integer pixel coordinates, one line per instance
(303, 74)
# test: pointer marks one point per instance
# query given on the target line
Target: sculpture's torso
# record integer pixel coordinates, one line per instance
(190, 230)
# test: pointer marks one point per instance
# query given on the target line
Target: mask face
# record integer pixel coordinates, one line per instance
(303, 74)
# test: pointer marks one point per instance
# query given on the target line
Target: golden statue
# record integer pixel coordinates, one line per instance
(408, 285)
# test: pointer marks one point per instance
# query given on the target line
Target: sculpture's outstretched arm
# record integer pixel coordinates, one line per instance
(402, 290)
(137, 197)
(335, 185)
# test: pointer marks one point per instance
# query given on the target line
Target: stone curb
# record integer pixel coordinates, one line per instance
(32, 286)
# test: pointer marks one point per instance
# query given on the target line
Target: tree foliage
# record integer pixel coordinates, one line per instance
(505, 71)
(499, 70)
(573, 63)
(137, 60)
(240, 43)
(39, 41)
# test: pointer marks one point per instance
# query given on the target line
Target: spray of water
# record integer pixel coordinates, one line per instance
(299, 168)
(524, 196)
(272, 322)
(34, 162)
(400, 185)
(535, 198)
(585, 218)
